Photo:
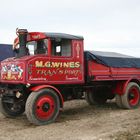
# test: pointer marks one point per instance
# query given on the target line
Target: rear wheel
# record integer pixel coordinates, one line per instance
(119, 101)
(42, 107)
(89, 97)
(131, 97)
(11, 109)
(95, 98)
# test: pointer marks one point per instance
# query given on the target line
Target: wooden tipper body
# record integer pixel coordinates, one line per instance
(106, 66)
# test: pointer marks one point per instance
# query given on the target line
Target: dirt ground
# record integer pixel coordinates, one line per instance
(78, 121)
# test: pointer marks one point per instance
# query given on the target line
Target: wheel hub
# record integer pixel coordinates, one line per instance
(46, 107)
(132, 96)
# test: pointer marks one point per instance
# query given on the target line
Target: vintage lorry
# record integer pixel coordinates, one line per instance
(50, 68)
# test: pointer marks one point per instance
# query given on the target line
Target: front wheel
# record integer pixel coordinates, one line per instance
(42, 107)
(11, 109)
(131, 97)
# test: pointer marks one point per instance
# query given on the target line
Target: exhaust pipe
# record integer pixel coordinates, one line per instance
(22, 35)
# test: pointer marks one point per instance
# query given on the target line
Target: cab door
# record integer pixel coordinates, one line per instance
(66, 62)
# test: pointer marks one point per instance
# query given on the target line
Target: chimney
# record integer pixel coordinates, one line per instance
(22, 35)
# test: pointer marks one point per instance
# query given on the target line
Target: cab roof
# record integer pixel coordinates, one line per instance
(63, 36)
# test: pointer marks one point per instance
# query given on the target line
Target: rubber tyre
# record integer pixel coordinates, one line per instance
(89, 97)
(7, 109)
(119, 101)
(94, 99)
(133, 89)
(100, 100)
(32, 109)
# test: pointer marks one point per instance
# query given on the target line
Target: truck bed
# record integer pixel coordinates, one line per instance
(111, 66)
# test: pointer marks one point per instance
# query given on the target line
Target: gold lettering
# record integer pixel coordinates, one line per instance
(55, 64)
(61, 65)
(39, 64)
(66, 64)
(77, 64)
(71, 64)
(47, 64)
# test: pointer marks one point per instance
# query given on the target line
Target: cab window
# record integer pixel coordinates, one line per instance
(38, 47)
(61, 47)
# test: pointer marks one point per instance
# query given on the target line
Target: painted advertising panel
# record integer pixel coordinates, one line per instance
(12, 71)
(57, 70)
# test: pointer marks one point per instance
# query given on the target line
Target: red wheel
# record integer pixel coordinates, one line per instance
(45, 107)
(42, 107)
(131, 98)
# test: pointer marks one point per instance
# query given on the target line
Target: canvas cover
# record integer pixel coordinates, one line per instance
(5, 51)
(112, 59)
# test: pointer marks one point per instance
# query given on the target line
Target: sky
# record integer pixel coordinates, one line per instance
(106, 25)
